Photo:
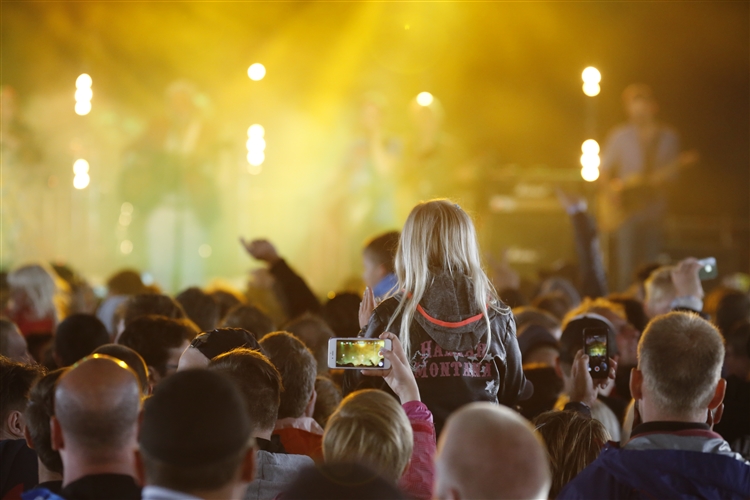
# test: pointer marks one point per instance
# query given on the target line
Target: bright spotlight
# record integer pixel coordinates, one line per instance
(256, 144)
(591, 89)
(81, 181)
(83, 107)
(590, 147)
(590, 161)
(256, 158)
(256, 130)
(591, 75)
(80, 166)
(256, 71)
(126, 208)
(424, 99)
(126, 246)
(84, 94)
(83, 81)
(590, 174)
(205, 251)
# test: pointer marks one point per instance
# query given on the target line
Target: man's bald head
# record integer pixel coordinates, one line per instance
(489, 451)
(97, 403)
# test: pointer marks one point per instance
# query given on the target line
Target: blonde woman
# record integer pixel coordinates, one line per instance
(459, 338)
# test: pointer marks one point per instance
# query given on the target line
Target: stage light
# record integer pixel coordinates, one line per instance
(126, 208)
(83, 81)
(590, 174)
(256, 158)
(80, 181)
(256, 144)
(83, 107)
(590, 147)
(83, 95)
(80, 166)
(591, 75)
(591, 89)
(126, 246)
(205, 251)
(256, 71)
(256, 130)
(125, 219)
(424, 99)
(254, 170)
(590, 160)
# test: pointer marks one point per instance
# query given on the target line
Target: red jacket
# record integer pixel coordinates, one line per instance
(418, 478)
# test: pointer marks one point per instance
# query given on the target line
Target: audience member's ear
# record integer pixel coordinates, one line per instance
(558, 368)
(310, 410)
(153, 377)
(27, 437)
(636, 383)
(718, 398)
(56, 436)
(247, 474)
(16, 424)
(140, 469)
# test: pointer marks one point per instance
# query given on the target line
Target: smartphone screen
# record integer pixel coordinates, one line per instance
(357, 353)
(708, 270)
(595, 346)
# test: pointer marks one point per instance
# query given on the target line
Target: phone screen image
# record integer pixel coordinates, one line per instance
(360, 353)
(595, 346)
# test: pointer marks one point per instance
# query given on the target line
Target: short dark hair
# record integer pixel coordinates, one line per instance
(40, 408)
(226, 301)
(129, 356)
(258, 380)
(733, 308)
(297, 367)
(249, 318)
(196, 478)
(152, 337)
(314, 333)
(739, 339)
(7, 328)
(16, 380)
(195, 431)
(200, 307)
(77, 336)
(125, 282)
(556, 303)
(634, 312)
(145, 304)
(329, 398)
(382, 249)
(342, 314)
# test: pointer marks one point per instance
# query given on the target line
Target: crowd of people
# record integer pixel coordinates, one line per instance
(216, 394)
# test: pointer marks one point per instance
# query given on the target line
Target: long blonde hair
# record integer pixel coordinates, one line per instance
(43, 288)
(439, 236)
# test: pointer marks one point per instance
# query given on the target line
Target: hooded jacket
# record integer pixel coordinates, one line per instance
(688, 464)
(448, 343)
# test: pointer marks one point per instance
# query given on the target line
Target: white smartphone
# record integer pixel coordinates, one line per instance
(358, 354)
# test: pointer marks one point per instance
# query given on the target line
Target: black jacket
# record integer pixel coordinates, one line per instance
(448, 346)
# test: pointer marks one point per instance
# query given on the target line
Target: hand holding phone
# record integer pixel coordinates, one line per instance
(708, 269)
(400, 377)
(596, 347)
(358, 353)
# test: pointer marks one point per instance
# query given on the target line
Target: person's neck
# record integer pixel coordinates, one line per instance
(650, 414)
(6, 434)
(46, 475)
(78, 464)
(229, 491)
(263, 434)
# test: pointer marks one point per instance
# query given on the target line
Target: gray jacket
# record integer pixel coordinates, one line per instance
(273, 473)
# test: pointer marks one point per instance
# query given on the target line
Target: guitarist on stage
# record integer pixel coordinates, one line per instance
(638, 160)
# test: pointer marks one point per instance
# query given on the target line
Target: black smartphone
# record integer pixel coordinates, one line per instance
(595, 346)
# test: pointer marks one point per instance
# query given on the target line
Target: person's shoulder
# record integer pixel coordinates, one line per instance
(385, 309)
(594, 481)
